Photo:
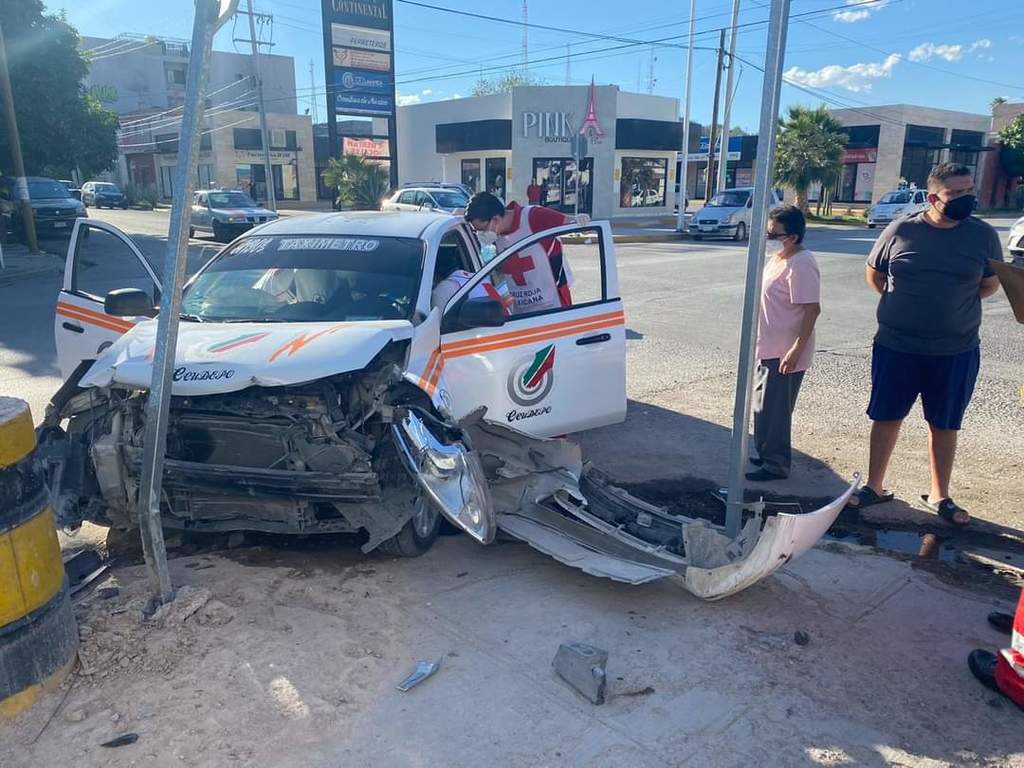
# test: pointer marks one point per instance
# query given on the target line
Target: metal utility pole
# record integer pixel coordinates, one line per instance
(264, 134)
(709, 176)
(27, 219)
(723, 160)
(312, 84)
(210, 14)
(526, 40)
(774, 59)
(568, 65)
(684, 165)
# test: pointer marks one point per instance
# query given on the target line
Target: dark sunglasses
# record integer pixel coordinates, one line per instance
(775, 235)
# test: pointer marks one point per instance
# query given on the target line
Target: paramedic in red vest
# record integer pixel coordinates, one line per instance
(539, 275)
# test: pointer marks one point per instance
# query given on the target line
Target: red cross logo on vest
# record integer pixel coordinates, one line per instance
(590, 128)
(516, 267)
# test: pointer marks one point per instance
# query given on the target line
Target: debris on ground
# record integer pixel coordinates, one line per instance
(424, 669)
(801, 638)
(186, 602)
(583, 666)
(122, 741)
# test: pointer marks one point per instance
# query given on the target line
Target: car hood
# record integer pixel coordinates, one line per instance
(716, 213)
(242, 212)
(215, 358)
(890, 207)
(56, 202)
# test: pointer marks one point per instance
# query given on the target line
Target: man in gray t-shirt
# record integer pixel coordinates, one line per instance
(932, 271)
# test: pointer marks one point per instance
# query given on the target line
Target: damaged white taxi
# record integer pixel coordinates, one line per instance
(316, 389)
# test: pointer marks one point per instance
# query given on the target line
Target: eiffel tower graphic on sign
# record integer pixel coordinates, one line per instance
(590, 127)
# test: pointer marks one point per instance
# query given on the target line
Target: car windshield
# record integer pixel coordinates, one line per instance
(729, 199)
(231, 200)
(309, 279)
(449, 199)
(896, 198)
(107, 188)
(46, 190)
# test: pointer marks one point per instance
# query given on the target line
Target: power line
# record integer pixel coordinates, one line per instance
(150, 118)
(202, 133)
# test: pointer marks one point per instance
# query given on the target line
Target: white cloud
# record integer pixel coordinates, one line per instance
(983, 44)
(926, 51)
(404, 101)
(856, 77)
(426, 92)
(859, 10)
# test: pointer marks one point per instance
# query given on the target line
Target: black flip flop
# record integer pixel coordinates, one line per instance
(867, 497)
(1001, 622)
(947, 509)
(983, 666)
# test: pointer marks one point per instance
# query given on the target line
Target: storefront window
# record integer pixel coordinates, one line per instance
(495, 167)
(917, 164)
(166, 181)
(471, 174)
(643, 182)
(286, 182)
(561, 185)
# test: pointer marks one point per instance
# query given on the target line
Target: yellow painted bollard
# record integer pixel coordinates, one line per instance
(38, 635)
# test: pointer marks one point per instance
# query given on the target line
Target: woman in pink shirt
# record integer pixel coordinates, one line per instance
(790, 305)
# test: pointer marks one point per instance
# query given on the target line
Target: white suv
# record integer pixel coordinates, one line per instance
(425, 199)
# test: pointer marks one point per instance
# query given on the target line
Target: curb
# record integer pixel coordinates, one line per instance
(675, 237)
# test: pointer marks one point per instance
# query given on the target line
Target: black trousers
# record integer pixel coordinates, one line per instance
(773, 423)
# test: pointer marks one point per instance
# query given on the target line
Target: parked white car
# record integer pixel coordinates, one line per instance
(727, 214)
(1015, 242)
(225, 214)
(425, 199)
(316, 389)
(893, 205)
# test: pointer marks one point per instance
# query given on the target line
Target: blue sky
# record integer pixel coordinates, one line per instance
(937, 53)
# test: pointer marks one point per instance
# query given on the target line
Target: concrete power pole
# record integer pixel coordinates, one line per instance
(526, 41)
(27, 220)
(723, 160)
(709, 177)
(314, 99)
(264, 134)
(685, 162)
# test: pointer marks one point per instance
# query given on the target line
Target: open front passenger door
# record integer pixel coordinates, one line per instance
(547, 372)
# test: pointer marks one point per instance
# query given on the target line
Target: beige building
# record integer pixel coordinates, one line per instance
(897, 145)
(230, 155)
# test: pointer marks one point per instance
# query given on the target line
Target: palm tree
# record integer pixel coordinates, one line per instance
(359, 183)
(809, 149)
(998, 100)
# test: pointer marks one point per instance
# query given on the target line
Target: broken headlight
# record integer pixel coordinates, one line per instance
(450, 475)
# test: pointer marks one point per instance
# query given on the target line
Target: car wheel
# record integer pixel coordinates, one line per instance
(871, 226)
(218, 232)
(697, 237)
(191, 232)
(741, 232)
(418, 535)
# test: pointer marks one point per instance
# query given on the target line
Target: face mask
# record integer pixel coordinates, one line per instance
(773, 247)
(488, 252)
(959, 209)
(488, 237)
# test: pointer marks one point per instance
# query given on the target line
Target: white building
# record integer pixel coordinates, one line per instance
(134, 74)
(502, 143)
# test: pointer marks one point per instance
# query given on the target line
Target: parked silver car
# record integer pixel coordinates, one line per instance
(893, 205)
(225, 214)
(727, 214)
(425, 199)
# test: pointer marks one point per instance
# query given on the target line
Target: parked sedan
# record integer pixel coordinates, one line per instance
(226, 214)
(103, 194)
(54, 209)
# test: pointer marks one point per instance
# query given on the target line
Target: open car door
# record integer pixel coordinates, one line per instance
(548, 372)
(100, 258)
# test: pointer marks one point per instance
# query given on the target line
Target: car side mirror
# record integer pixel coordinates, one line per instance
(129, 302)
(480, 313)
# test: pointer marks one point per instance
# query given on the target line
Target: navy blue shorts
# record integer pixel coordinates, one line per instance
(944, 382)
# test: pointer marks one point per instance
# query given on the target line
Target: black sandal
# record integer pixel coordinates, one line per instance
(947, 510)
(867, 497)
(983, 666)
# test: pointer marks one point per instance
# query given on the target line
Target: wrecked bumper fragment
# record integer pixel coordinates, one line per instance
(543, 496)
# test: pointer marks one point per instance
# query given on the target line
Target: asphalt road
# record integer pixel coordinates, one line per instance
(683, 306)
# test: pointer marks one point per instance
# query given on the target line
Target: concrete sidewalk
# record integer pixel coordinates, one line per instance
(20, 265)
(294, 658)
